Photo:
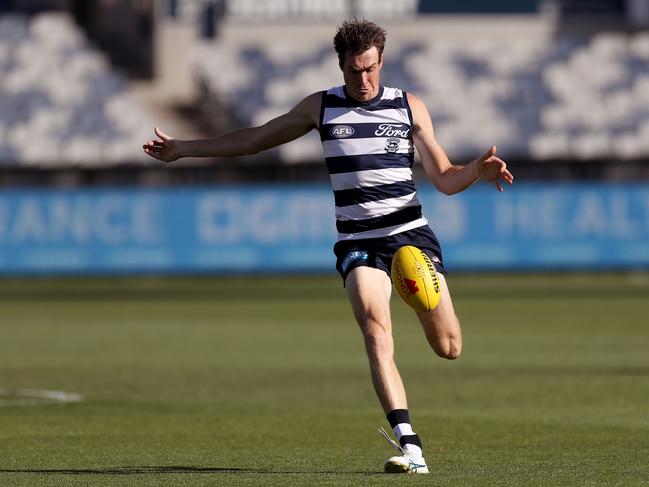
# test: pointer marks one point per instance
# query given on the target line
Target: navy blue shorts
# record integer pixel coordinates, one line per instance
(378, 252)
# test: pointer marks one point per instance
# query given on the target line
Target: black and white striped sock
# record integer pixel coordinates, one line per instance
(399, 419)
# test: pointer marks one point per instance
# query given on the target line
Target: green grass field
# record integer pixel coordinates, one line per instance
(241, 381)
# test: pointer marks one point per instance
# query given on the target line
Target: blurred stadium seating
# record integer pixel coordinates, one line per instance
(566, 98)
(562, 96)
(61, 102)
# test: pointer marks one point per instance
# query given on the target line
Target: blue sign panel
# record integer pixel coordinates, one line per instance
(544, 226)
(292, 228)
(128, 230)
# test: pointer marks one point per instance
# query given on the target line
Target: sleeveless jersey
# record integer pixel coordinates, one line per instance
(369, 152)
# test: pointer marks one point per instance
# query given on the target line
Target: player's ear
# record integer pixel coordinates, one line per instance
(381, 60)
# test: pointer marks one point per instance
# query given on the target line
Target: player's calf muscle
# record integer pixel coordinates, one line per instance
(379, 344)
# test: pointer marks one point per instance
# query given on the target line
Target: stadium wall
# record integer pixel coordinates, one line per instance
(290, 228)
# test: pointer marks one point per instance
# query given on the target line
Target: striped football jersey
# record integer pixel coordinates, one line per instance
(369, 152)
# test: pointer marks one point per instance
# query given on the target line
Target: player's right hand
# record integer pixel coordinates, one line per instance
(164, 148)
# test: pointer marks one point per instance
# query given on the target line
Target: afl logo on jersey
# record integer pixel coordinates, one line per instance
(392, 145)
(341, 131)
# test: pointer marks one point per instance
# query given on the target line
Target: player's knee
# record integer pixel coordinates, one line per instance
(449, 348)
(454, 350)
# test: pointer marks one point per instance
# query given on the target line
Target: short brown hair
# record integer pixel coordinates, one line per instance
(357, 36)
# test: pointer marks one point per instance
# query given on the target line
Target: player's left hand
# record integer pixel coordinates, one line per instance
(491, 168)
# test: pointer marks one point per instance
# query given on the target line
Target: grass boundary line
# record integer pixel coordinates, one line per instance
(35, 397)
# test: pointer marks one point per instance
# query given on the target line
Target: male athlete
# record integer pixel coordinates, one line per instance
(369, 133)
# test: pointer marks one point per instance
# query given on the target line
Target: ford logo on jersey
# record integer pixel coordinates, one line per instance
(392, 130)
(341, 131)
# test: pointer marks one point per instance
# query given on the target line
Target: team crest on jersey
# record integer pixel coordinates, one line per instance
(341, 131)
(392, 145)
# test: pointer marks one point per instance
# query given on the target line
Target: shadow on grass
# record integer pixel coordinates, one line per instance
(170, 469)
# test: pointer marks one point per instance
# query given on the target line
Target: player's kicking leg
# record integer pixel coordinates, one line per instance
(369, 292)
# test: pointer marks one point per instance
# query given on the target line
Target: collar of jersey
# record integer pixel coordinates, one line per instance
(368, 103)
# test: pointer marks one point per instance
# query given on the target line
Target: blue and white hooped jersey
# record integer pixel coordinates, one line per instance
(369, 152)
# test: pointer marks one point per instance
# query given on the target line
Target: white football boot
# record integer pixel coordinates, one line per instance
(404, 463)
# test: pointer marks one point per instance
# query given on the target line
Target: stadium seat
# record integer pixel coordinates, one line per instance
(639, 46)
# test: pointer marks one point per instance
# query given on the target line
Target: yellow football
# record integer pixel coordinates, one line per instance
(415, 278)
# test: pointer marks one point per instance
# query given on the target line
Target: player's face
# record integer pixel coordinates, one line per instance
(362, 74)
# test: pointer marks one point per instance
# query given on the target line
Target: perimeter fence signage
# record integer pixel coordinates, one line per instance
(292, 229)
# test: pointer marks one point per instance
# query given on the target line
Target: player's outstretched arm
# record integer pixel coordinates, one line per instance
(446, 177)
(245, 141)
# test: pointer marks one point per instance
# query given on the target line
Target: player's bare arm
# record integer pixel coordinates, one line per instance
(446, 177)
(241, 142)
